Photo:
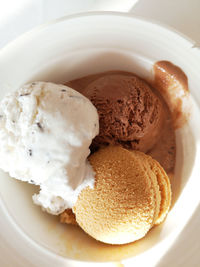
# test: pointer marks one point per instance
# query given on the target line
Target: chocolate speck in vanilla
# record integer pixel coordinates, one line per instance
(30, 152)
(40, 126)
(25, 94)
(63, 90)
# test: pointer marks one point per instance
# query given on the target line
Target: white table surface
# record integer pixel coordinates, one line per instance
(19, 16)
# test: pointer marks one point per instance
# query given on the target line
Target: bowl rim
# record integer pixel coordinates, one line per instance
(34, 31)
(154, 22)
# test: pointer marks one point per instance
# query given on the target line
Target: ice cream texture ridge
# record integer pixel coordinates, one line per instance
(45, 133)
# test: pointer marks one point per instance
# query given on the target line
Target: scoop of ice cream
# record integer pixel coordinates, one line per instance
(45, 133)
(130, 113)
(131, 194)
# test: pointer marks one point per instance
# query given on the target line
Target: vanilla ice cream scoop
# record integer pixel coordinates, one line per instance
(45, 133)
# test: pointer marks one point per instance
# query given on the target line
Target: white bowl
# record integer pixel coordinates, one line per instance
(69, 48)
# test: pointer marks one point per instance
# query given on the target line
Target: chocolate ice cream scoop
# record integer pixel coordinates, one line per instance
(130, 113)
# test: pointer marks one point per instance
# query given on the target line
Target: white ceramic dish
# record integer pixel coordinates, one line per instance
(70, 48)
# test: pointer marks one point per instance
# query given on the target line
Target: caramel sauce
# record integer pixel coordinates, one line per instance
(171, 84)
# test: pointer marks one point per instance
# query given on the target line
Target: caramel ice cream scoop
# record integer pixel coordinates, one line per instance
(131, 194)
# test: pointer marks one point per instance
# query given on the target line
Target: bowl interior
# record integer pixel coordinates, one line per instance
(86, 45)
